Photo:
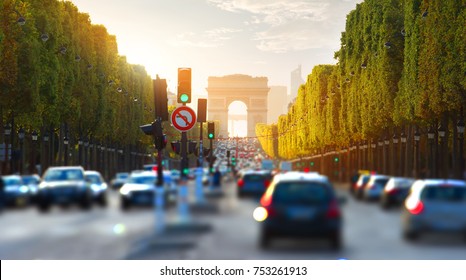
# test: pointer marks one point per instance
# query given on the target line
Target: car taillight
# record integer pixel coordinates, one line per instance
(266, 183)
(333, 210)
(370, 186)
(414, 207)
(391, 191)
(271, 212)
(240, 183)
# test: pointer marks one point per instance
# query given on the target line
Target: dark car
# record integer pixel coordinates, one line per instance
(298, 204)
(119, 180)
(395, 191)
(253, 182)
(64, 186)
(15, 192)
(98, 186)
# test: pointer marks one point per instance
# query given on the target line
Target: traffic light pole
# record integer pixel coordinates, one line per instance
(201, 152)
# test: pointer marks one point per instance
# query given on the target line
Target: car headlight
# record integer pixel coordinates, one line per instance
(23, 189)
(124, 191)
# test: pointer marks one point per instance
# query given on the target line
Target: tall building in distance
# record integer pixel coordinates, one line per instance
(295, 82)
(277, 103)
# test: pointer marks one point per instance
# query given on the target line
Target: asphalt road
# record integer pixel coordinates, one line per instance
(108, 233)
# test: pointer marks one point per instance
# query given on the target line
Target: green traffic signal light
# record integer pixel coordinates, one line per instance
(185, 171)
(184, 98)
(211, 136)
(312, 163)
(336, 159)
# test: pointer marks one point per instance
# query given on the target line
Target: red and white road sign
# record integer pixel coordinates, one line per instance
(183, 118)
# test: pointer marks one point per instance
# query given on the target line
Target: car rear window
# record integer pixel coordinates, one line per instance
(63, 175)
(254, 177)
(444, 193)
(381, 182)
(301, 193)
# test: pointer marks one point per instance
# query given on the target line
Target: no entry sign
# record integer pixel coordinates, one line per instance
(183, 118)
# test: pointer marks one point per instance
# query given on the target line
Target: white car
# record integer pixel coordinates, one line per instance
(98, 186)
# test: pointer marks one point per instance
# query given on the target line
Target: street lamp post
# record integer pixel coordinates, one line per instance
(403, 152)
(373, 155)
(66, 142)
(80, 151)
(417, 138)
(380, 156)
(21, 135)
(7, 131)
(443, 163)
(32, 163)
(461, 167)
(86, 151)
(385, 156)
(430, 137)
(45, 150)
(395, 154)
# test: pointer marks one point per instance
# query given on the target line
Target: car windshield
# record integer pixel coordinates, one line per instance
(301, 193)
(30, 180)
(381, 182)
(94, 179)
(122, 176)
(63, 175)
(12, 181)
(254, 177)
(444, 193)
(146, 180)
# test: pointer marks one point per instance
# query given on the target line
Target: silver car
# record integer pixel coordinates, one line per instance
(374, 188)
(435, 205)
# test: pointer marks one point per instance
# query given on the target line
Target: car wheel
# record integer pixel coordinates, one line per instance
(265, 239)
(44, 207)
(103, 200)
(411, 235)
(125, 205)
(336, 241)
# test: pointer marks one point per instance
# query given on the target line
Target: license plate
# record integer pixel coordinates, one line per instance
(301, 213)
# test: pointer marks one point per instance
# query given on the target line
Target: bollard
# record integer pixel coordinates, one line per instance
(199, 186)
(159, 193)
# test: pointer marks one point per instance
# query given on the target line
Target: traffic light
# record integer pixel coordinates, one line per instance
(233, 161)
(185, 171)
(160, 98)
(192, 146)
(228, 154)
(312, 163)
(184, 85)
(201, 110)
(211, 130)
(336, 159)
(176, 147)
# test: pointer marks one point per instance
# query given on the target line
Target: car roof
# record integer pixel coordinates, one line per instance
(66, 167)
(301, 176)
(91, 172)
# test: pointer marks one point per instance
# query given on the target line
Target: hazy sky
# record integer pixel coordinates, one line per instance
(221, 37)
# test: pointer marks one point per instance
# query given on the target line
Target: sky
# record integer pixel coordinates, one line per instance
(260, 38)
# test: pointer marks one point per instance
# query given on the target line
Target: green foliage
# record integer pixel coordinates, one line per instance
(42, 84)
(401, 62)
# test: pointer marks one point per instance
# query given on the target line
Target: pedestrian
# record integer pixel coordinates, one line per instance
(217, 178)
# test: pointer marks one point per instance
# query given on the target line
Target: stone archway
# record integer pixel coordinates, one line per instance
(222, 91)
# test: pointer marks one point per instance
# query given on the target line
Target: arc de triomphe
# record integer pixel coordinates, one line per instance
(252, 91)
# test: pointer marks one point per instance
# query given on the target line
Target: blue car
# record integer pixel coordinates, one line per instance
(15, 192)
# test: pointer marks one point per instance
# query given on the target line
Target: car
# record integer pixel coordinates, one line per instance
(119, 180)
(32, 181)
(395, 191)
(360, 185)
(63, 186)
(140, 187)
(434, 205)
(374, 187)
(16, 192)
(98, 186)
(299, 204)
(253, 182)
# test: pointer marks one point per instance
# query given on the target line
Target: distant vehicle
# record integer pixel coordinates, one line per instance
(299, 204)
(285, 166)
(64, 186)
(15, 192)
(435, 205)
(98, 186)
(253, 182)
(32, 181)
(395, 191)
(374, 187)
(267, 164)
(149, 167)
(140, 187)
(119, 180)
(358, 192)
